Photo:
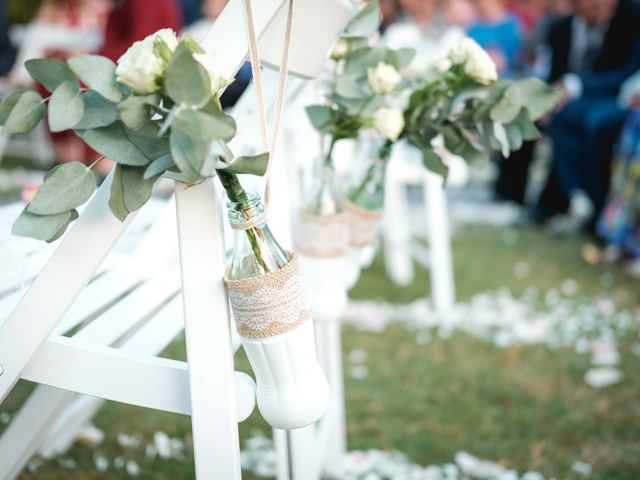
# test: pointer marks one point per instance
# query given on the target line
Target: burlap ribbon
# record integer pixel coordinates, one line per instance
(323, 236)
(363, 223)
(269, 304)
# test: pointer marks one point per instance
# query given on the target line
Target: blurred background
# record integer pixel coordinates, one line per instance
(536, 368)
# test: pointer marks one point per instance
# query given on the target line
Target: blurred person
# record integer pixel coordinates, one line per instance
(619, 224)
(191, 11)
(423, 26)
(390, 10)
(7, 51)
(133, 20)
(499, 33)
(591, 53)
(459, 12)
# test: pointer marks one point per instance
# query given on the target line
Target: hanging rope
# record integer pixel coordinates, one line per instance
(268, 144)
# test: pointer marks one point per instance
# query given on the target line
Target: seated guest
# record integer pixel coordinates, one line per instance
(498, 32)
(619, 225)
(7, 52)
(597, 44)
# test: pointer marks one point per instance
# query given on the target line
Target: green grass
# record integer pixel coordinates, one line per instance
(526, 407)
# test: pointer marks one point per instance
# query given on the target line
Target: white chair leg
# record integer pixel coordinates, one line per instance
(397, 231)
(442, 283)
(207, 329)
(332, 434)
(25, 433)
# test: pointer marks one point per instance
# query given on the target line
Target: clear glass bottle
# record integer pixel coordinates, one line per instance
(321, 199)
(255, 250)
(366, 188)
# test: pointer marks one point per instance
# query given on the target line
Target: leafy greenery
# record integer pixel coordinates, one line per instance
(178, 130)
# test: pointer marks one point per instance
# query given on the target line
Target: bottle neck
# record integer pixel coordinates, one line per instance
(255, 250)
(321, 199)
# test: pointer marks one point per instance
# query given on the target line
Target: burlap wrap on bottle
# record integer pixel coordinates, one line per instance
(269, 304)
(323, 236)
(363, 223)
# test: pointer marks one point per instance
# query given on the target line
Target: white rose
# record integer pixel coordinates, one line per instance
(140, 67)
(383, 79)
(389, 122)
(341, 49)
(475, 60)
(208, 62)
(168, 36)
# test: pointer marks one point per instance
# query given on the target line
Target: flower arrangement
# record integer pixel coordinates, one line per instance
(156, 113)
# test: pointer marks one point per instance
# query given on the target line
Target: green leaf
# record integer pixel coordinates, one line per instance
(129, 190)
(49, 72)
(159, 166)
(358, 61)
(202, 126)
(432, 161)
(527, 127)
(250, 164)
(321, 117)
(66, 187)
(495, 93)
(136, 110)
(7, 105)
(187, 81)
(98, 111)
(27, 109)
(400, 58)
(365, 22)
(111, 142)
(98, 73)
(192, 45)
(349, 88)
(514, 136)
(65, 107)
(540, 98)
(148, 142)
(43, 227)
(189, 154)
(508, 107)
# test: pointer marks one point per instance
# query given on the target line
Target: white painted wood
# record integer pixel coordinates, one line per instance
(315, 27)
(207, 329)
(21, 438)
(68, 270)
(396, 229)
(442, 284)
(333, 435)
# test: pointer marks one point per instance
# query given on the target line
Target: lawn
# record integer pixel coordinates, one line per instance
(525, 406)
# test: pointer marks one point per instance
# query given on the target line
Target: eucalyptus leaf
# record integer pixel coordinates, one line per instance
(500, 134)
(43, 227)
(539, 98)
(49, 72)
(365, 22)
(65, 188)
(508, 107)
(187, 81)
(148, 142)
(7, 105)
(26, 110)
(98, 73)
(136, 110)
(159, 166)
(432, 161)
(98, 111)
(250, 164)
(527, 127)
(400, 58)
(514, 136)
(112, 142)
(349, 88)
(321, 117)
(358, 61)
(129, 190)
(66, 107)
(204, 126)
(189, 154)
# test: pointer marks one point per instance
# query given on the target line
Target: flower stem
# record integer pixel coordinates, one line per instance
(237, 194)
